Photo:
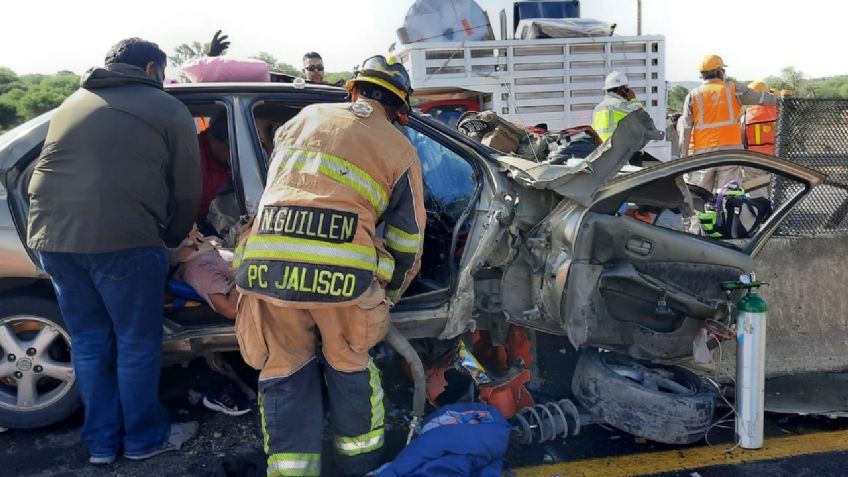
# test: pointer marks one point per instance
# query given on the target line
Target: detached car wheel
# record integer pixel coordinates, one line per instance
(37, 380)
(663, 404)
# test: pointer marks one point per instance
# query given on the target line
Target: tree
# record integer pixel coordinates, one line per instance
(275, 65)
(24, 97)
(333, 78)
(676, 97)
(47, 94)
(188, 51)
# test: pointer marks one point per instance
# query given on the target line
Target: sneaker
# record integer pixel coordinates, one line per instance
(181, 432)
(228, 401)
(105, 460)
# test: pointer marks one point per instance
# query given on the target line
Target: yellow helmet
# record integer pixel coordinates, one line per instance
(712, 62)
(389, 74)
(758, 86)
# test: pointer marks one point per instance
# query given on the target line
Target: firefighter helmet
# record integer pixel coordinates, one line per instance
(388, 74)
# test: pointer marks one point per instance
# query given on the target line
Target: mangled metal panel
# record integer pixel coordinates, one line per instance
(579, 180)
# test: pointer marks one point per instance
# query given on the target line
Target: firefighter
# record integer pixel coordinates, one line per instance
(760, 122)
(710, 120)
(313, 268)
(619, 101)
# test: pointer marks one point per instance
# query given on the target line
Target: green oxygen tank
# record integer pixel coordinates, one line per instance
(750, 361)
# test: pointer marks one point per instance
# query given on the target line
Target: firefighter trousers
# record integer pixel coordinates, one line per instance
(283, 344)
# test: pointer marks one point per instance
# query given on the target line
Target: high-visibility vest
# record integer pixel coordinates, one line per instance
(715, 117)
(609, 112)
(760, 125)
(331, 181)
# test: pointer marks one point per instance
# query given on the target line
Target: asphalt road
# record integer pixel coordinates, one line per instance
(228, 446)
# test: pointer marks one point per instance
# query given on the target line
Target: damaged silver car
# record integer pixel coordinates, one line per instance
(615, 262)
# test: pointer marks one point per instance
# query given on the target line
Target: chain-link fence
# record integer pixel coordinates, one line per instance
(814, 133)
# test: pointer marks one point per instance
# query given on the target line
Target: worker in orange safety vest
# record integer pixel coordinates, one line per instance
(760, 122)
(710, 120)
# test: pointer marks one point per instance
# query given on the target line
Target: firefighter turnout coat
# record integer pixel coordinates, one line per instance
(337, 170)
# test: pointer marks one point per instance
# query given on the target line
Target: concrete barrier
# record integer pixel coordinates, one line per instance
(808, 306)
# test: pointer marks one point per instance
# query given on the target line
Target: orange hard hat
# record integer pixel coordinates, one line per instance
(758, 86)
(712, 62)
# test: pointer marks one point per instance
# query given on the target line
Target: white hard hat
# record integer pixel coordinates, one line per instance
(614, 80)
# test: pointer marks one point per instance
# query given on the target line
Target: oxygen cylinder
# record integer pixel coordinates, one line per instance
(750, 364)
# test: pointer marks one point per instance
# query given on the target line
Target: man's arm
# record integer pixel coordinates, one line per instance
(748, 96)
(183, 178)
(405, 220)
(686, 121)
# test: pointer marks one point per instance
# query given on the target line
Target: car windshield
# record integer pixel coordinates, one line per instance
(10, 136)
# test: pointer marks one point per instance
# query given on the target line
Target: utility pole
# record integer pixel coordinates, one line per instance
(639, 17)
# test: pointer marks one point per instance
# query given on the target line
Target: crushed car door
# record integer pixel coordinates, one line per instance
(618, 282)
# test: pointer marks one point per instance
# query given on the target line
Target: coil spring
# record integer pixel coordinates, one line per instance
(545, 422)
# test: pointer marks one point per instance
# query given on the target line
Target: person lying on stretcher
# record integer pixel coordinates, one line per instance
(207, 268)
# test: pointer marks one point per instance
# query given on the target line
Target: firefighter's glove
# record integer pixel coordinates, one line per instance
(219, 44)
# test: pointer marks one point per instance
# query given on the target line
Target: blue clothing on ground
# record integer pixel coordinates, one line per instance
(112, 304)
(458, 440)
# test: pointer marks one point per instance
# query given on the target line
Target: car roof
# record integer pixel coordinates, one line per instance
(178, 88)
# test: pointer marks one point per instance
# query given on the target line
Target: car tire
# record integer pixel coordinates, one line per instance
(22, 320)
(665, 404)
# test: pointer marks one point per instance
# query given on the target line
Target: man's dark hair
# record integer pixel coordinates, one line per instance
(218, 127)
(312, 54)
(714, 74)
(136, 52)
(381, 94)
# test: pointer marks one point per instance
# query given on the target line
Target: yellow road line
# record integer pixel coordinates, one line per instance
(691, 458)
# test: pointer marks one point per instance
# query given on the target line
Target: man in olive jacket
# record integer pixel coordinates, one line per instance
(118, 178)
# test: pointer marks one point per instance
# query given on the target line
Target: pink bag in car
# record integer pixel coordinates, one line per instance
(221, 69)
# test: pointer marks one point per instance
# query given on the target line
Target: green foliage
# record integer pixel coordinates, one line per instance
(276, 65)
(27, 96)
(676, 97)
(333, 78)
(792, 79)
(188, 51)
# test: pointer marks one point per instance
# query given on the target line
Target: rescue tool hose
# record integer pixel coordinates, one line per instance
(419, 399)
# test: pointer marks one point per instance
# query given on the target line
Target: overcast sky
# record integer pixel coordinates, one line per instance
(756, 38)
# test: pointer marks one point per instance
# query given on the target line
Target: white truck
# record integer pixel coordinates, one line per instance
(556, 81)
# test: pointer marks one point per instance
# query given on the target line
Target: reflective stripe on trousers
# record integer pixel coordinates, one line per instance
(286, 464)
(373, 439)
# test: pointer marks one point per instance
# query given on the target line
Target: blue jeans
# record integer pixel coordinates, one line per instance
(112, 304)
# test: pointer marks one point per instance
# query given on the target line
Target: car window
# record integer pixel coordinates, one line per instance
(728, 203)
(9, 136)
(448, 178)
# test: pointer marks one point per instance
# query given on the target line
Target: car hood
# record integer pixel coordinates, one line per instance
(580, 179)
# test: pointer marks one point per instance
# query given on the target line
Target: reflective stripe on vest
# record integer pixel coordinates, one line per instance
(716, 112)
(338, 170)
(607, 116)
